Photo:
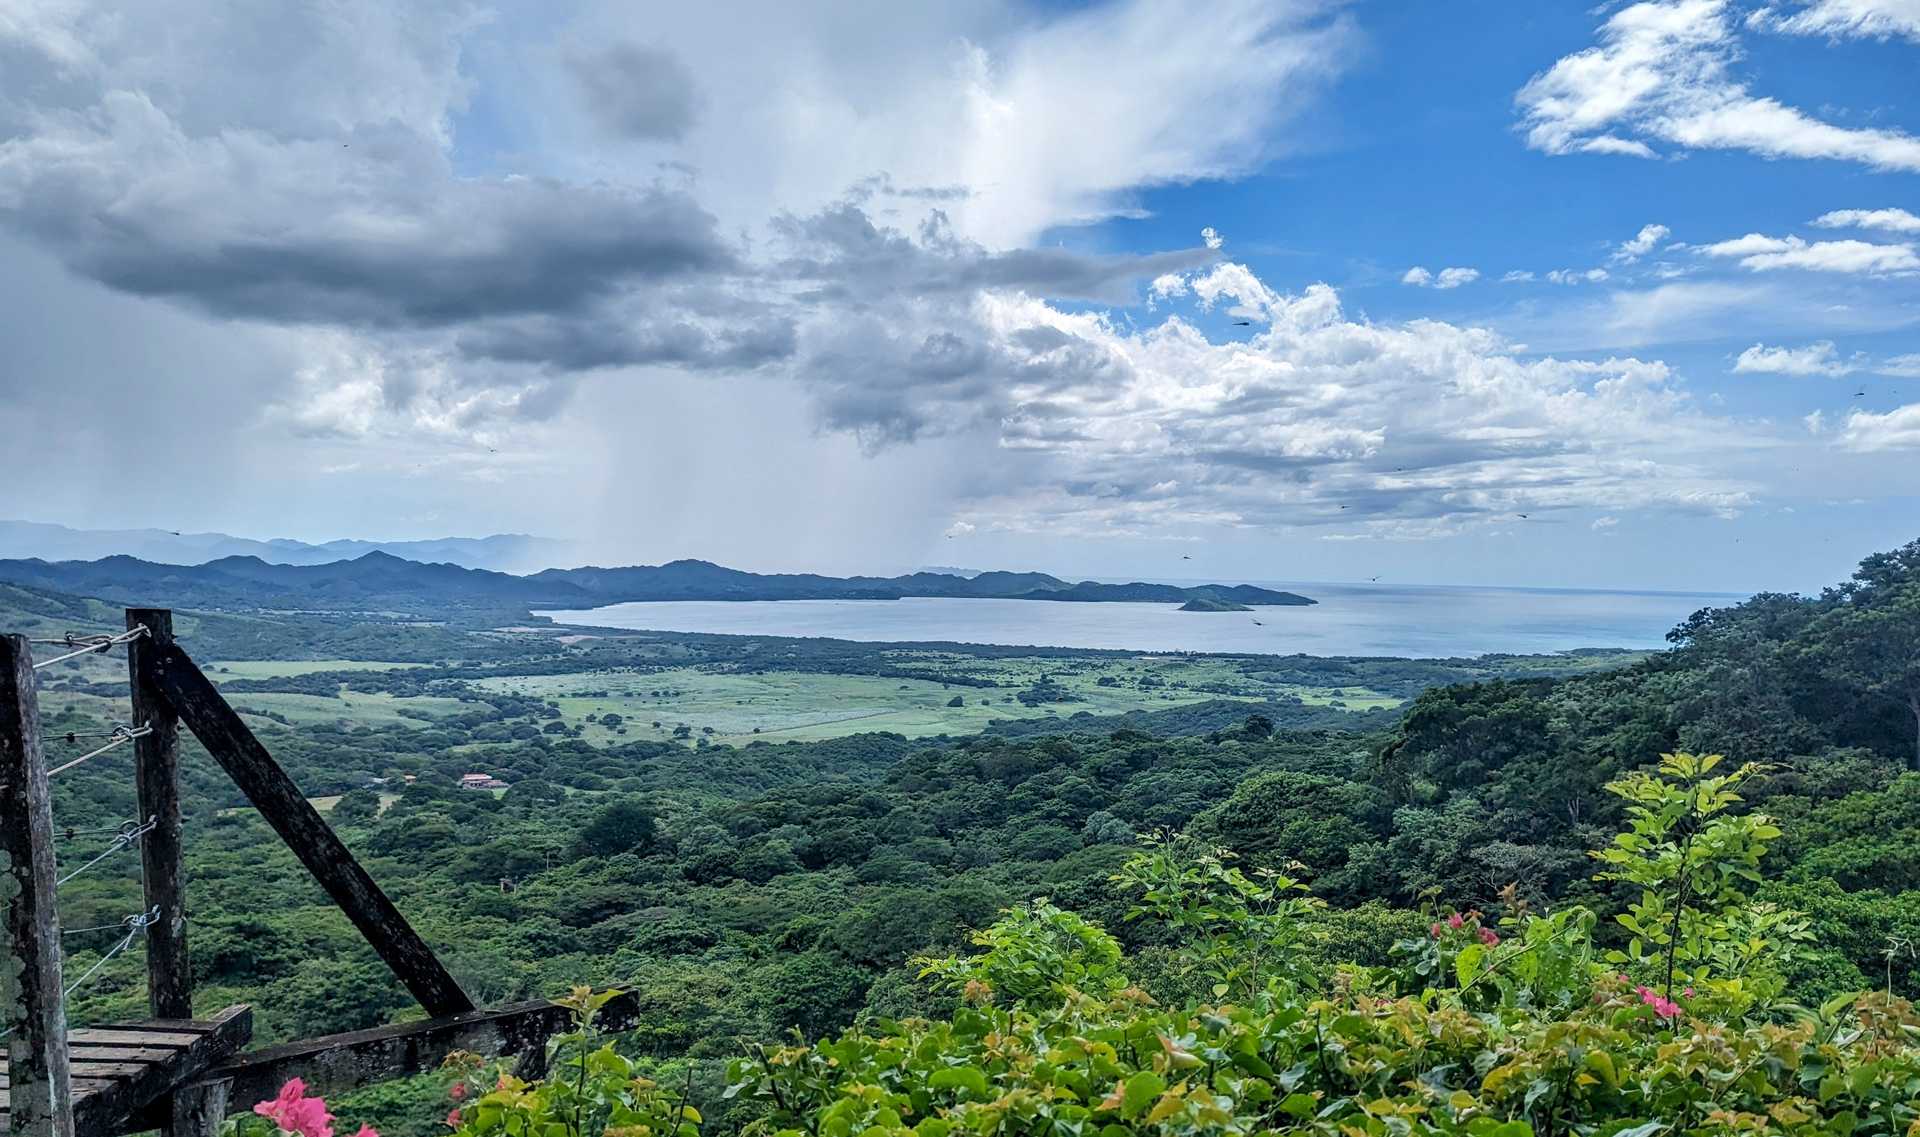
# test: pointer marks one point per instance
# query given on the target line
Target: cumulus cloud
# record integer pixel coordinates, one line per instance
(1317, 420)
(1212, 237)
(1663, 72)
(1445, 278)
(1814, 359)
(1889, 220)
(1516, 276)
(1761, 253)
(1857, 19)
(1641, 243)
(1866, 431)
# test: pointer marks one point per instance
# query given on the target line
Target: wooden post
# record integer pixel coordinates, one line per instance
(156, 772)
(198, 1111)
(205, 712)
(40, 1085)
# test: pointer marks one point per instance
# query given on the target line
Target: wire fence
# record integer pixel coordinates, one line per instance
(118, 736)
(87, 644)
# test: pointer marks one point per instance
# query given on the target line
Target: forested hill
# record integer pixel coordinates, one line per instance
(743, 891)
(380, 581)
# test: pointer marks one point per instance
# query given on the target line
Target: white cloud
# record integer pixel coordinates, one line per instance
(1316, 420)
(1814, 359)
(1641, 244)
(1213, 238)
(1865, 431)
(1445, 278)
(1516, 276)
(1662, 71)
(1889, 220)
(1577, 276)
(1900, 366)
(1859, 19)
(960, 529)
(1602, 524)
(1762, 253)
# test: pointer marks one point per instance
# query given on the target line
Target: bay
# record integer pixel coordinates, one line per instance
(1416, 621)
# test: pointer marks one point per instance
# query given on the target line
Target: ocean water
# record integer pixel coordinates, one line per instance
(1350, 619)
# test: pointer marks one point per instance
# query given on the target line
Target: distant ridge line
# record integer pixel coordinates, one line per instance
(380, 580)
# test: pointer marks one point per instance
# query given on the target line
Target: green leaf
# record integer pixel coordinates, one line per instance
(1140, 1090)
(969, 1078)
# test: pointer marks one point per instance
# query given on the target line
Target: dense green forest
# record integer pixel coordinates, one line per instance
(746, 891)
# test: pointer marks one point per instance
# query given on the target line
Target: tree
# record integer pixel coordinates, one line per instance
(957, 701)
(620, 827)
(355, 807)
(1869, 639)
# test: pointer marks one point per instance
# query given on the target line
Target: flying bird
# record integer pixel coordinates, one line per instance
(1185, 557)
(1859, 394)
(1258, 624)
(1521, 516)
(1243, 323)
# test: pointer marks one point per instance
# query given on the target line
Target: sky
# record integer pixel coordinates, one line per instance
(1518, 294)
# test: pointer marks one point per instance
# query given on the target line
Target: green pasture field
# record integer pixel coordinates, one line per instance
(805, 706)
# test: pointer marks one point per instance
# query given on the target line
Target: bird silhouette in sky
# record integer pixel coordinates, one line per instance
(1859, 394)
(1185, 557)
(1374, 579)
(1521, 516)
(1258, 624)
(1243, 323)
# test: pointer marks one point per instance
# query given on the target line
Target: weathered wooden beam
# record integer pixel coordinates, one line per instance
(110, 1109)
(32, 1005)
(156, 774)
(341, 1062)
(200, 706)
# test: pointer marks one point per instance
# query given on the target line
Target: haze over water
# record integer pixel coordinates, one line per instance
(1396, 620)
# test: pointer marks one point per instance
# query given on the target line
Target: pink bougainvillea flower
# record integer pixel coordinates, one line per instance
(1437, 930)
(458, 1092)
(1489, 937)
(453, 1119)
(1688, 992)
(1456, 921)
(294, 1112)
(1664, 1007)
(367, 1131)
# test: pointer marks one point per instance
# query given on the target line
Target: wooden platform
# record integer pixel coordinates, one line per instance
(120, 1069)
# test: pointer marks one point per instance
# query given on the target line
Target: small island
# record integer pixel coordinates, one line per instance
(1209, 604)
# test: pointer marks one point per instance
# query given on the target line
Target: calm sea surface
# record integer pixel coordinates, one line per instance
(1349, 620)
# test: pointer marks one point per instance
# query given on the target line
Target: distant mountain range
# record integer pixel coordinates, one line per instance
(382, 582)
(502, 552)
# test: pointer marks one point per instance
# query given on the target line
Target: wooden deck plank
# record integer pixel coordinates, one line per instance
(119, 1036)
(121, 1069)
(110, 1109)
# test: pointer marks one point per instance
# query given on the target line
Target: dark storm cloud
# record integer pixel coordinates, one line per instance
(511, 247)
(847, 256)
(637, 92)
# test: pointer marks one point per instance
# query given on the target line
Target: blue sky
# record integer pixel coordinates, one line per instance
(1511, 294)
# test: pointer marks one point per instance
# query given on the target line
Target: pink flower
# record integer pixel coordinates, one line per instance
(294, 1112)
(1489, 937)
(1688, 992)
(453, 1119)
(1664, 1007)
(458, 1092)
(1455, 922)
(1437, 930)
(367, 1131)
